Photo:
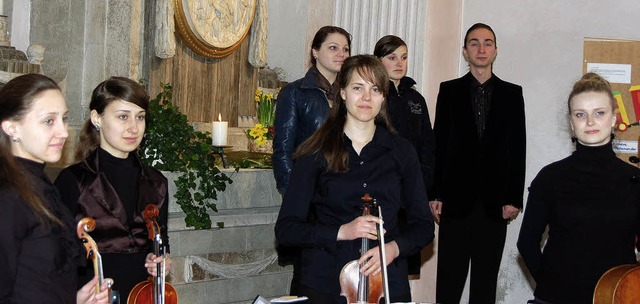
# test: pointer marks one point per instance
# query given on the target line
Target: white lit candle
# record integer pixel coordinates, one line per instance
(219, 135)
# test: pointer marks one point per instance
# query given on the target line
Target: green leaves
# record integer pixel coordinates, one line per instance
(172, 144)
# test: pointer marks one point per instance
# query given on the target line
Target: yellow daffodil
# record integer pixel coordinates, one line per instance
(254, 133)
(261, 140)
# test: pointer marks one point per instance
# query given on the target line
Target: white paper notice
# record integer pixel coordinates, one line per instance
(614, 73)
(625, 146)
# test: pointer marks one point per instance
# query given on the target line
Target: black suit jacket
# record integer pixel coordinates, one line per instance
(470, 170)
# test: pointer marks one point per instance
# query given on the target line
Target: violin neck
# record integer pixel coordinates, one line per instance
(114, 296)
(97, 269)
(159, 289)
(363, 283)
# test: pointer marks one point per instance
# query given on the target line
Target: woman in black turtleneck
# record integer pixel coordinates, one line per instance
(590, 201)
(39, 248)
(111, 185)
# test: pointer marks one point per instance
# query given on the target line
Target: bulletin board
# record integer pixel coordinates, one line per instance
(618, 61)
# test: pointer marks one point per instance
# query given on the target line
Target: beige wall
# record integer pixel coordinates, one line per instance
(442, 62)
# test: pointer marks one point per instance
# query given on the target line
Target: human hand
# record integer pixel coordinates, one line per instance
(370, 262)
(361, 227)
(152, 261)
(436, 210)
(87, 294)
(509, 212)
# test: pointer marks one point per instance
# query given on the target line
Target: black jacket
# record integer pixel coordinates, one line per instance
(301, 109)
(468, 169)
(409, 115)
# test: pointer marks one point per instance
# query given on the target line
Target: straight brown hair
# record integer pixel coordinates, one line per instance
(328, 139)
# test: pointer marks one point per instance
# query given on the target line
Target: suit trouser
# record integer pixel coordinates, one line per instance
(477, 239)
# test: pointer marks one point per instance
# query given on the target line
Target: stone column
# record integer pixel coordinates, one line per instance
(5, 40)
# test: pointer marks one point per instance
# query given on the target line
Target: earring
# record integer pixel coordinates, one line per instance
(573, 136)
(15, 138)
(97, 128)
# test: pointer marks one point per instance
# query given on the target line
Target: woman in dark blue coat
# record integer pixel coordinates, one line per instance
(303, 105)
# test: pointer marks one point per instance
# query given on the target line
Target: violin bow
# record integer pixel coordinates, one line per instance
(150, 214)
(383, 257)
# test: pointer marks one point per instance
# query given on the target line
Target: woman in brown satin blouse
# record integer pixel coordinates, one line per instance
(111, 185)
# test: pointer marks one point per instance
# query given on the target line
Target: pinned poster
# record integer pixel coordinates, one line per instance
(621, 114)
(618, 61)
(613, 73)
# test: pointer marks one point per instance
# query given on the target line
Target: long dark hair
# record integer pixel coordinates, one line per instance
(387, 45)
(112, 89)
(16, 100)
(321, 36)
(328, 139)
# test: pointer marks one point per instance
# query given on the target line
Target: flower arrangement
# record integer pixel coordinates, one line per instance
(265, 107)
(260, 134)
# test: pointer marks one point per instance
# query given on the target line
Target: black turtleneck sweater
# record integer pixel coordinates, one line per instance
(591, 204)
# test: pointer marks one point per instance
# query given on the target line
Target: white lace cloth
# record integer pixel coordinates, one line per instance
(225, 270)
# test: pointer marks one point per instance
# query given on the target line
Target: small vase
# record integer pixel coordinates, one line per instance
(266, 148)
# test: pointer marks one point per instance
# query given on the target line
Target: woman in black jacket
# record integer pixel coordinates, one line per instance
(408, 113)
(406, 107)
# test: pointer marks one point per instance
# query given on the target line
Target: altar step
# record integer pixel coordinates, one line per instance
(236, 263)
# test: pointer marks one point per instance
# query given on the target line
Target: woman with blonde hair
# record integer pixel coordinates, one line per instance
(590, 202)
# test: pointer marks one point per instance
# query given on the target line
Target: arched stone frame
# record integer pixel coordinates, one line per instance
(222, 39)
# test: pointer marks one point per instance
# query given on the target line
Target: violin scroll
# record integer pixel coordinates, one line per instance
(150, 213)
(85, 226)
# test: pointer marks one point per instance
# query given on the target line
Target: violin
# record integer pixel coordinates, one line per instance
(619, 285)
(154, 290)
(357, 287)
(85, 226)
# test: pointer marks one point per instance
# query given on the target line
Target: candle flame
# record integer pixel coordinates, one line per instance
(219, 117)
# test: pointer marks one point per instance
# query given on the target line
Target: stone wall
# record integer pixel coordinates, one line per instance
(238, 262)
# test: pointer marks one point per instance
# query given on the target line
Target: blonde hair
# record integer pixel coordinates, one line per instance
(591, 82)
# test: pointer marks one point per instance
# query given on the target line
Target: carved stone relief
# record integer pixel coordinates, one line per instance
(214, 28)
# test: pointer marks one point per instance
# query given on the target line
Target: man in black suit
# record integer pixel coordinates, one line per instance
(479, 172)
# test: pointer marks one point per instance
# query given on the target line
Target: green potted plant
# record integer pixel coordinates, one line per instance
(172, 144)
